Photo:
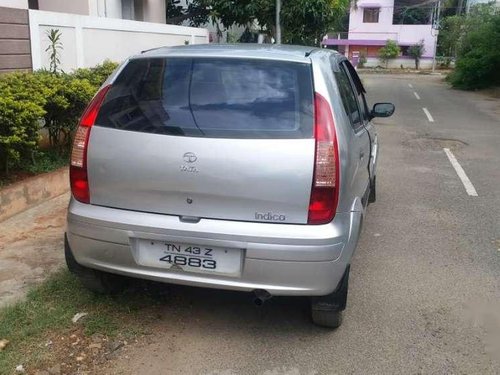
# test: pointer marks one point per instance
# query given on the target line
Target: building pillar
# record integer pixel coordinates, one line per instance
(154, 11)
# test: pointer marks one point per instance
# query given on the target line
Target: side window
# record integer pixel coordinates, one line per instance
(349, 99)
(359, 90)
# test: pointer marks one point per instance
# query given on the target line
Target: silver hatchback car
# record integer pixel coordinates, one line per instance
(242, 167)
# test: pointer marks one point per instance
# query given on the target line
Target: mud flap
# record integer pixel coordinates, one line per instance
(337, 300)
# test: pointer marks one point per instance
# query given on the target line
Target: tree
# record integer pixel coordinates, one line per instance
(388, 52)
(452, 7)
(450, 34)
(416, 51)
(307, 21)
(411, 12)
(303, 21)
(478, 58)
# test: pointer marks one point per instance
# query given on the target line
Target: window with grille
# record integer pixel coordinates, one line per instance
(370, 15)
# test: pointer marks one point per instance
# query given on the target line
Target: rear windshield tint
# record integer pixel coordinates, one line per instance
(216, 97)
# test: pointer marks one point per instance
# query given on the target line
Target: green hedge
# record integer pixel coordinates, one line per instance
(30, 101)
(98, 74)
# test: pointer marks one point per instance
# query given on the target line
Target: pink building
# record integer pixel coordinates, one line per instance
(373, 22)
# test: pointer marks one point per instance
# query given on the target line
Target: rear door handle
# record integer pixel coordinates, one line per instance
(361, 155)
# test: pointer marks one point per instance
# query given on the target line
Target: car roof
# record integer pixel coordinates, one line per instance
(243, 50)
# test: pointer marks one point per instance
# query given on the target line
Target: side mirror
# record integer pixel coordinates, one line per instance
(382, 110)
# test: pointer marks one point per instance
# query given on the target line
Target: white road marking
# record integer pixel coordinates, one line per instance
(428, 114)
(410, 85)
(416, 95)
(461, 173)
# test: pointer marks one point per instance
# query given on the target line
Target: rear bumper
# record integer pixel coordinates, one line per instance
(282, 259)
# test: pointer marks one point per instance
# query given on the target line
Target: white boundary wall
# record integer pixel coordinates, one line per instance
(87, 41)
(407, 63)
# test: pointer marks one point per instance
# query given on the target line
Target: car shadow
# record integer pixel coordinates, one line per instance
(207, 309)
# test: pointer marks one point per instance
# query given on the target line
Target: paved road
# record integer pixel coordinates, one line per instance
(425, 292)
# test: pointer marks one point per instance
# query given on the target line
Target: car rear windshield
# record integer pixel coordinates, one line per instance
(211, 97)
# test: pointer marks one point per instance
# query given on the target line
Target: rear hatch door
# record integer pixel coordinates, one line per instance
(206, 138)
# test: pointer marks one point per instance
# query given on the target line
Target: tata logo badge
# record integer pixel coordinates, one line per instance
(189, 157)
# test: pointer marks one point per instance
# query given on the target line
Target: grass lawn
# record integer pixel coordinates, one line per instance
(41, 332)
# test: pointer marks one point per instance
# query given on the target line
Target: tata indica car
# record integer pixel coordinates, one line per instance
(241, 167)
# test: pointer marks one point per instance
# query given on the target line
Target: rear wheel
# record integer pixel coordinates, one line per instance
(330, 319)
(96, 281)
(102, 283)
(326, 311)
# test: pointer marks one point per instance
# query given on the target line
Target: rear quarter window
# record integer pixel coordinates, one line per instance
(211, 97)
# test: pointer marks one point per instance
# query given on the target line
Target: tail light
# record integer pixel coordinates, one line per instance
(78, 165)
(325, 185)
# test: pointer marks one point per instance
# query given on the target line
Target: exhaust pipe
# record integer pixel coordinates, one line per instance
(261, 296)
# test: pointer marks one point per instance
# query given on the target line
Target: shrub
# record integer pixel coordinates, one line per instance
(362, 61)
(22, 99)
(444, 61)
(388, 52)
(66, 102)
(28, 98)
(98, 74)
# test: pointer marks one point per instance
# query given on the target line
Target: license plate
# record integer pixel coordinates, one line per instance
(189, 258)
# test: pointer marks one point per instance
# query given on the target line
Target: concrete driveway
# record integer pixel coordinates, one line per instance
(31, 247)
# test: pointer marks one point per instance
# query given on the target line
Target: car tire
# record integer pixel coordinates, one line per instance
(100, 282)
(326, 311)
(96, 281)
(372, 198)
